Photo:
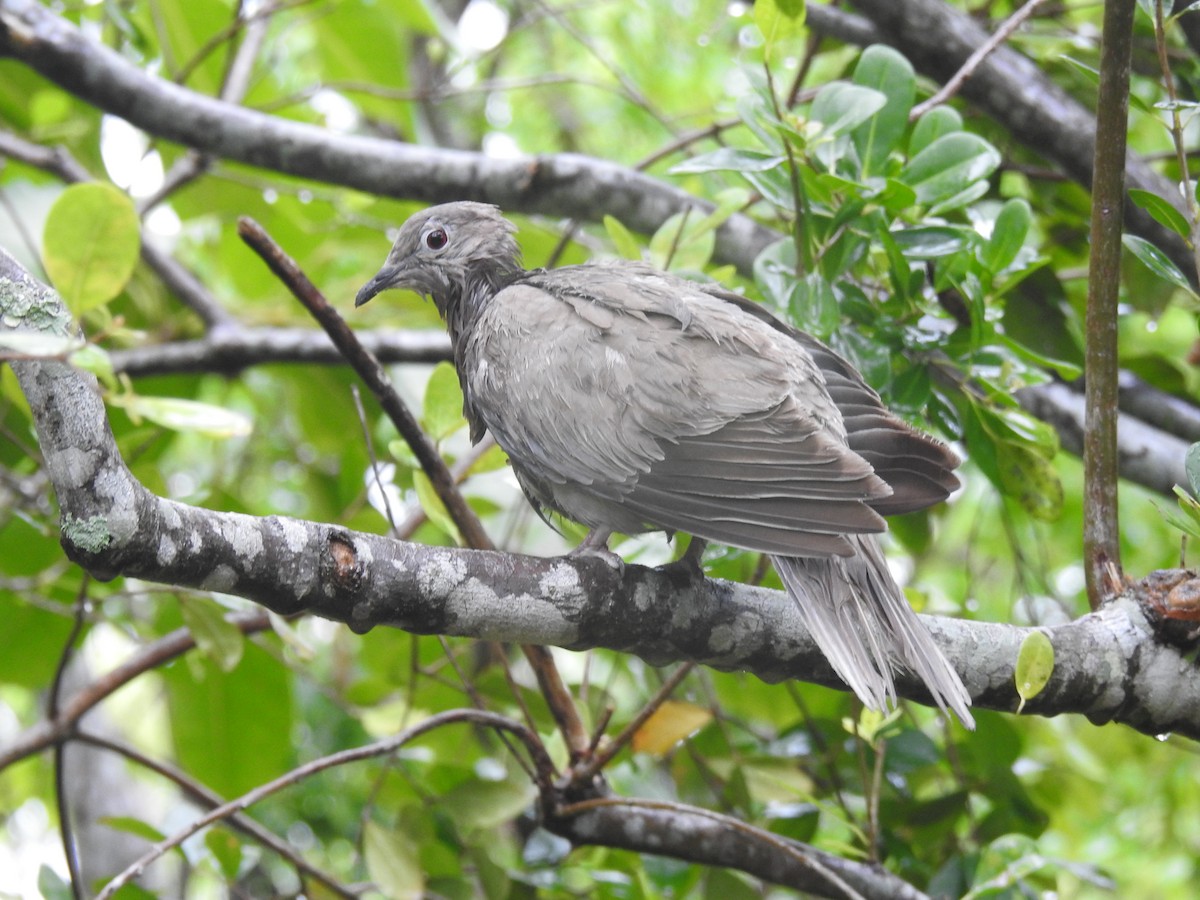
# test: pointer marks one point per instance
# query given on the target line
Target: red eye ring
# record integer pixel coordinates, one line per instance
(437, 239)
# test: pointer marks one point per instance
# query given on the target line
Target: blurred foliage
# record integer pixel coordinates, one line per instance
(933, 253)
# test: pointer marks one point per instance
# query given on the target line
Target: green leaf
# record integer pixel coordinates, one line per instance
(217, 638)
(130, 825)
(1189, 522)
(1035, 665)
(779, 21)
(840, 106)
(90, 244)
(434, 508)
(226, 850)
(1191, 465)
(1161, 210)
(178, 414)
(392, 862)
(442, 412)
(889, 72)
(930, 241)
(938, 122)
(1008, 235)
(1157, 262)
(949, 166)
(231, 730)
(478, 804)
(727, 159)
(623, 240)
(95, 359)
(685, 241)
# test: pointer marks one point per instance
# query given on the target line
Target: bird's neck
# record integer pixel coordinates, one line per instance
(466, 298)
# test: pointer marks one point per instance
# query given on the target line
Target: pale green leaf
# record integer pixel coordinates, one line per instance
(90, 244)
(728, 159)
(624, 242)
(432, 504)
(215, 636)
(779, 21)
(1035, 665)
(178, 414)
(840, 106)
(442, 412)
(392, 862)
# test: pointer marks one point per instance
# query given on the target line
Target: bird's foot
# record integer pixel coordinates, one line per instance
(595, 546)
(689, 568)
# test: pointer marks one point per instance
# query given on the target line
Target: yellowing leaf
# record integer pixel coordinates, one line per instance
(90, 244)
(668, 725)
(1035, 664)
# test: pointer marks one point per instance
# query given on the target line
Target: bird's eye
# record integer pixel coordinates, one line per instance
(436, 239)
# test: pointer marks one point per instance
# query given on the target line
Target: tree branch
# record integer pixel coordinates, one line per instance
(1101, 526)
(559, 185)
(1108, 665)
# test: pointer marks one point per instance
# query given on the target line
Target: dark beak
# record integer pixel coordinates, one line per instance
(387, 277)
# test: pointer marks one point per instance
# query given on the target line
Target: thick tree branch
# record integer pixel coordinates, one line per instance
(558, 185)
(1153, 432)
(1109, 665)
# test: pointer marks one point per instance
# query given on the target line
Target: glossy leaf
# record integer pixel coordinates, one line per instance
(729, 159)
(883, 69)
(840, 107)
(949, 166)
(1157, 262)
(1161, 209)
(1008, 235)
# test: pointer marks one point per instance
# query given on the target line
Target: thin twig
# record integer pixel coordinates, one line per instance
(166, 648)
(70, 847)
(959, 78)
(372, 373)
(208, 799)
(601, 759)
(374, 460)
(1101, 527)
(541, 763)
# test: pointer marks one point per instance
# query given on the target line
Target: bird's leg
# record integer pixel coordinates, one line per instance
(595, 545)
(690, 566)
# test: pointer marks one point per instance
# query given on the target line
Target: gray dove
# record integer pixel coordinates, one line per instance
(632, 400)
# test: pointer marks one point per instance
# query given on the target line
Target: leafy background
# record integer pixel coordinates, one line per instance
(938, 251)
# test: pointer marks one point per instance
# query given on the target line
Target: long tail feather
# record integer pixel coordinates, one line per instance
(859, 617)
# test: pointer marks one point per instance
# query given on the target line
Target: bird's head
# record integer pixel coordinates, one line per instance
(453, 253)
